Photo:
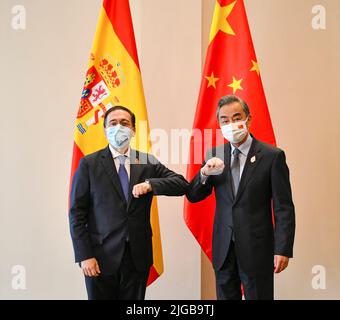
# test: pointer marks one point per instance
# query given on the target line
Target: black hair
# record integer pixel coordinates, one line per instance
(133, 117)
(229, 100)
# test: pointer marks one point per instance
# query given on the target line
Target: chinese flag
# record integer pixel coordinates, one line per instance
(113, 77)
(231, 67)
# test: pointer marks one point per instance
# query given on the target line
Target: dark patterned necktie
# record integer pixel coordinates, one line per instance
(235, 170)
(123, 176)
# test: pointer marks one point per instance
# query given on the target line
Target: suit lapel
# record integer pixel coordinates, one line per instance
(253, 159)
(110, 168)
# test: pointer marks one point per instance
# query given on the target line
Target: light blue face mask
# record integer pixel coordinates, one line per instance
(119, 136)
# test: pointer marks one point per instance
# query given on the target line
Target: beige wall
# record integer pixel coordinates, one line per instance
(169, 41)
(300, 72)
(43, 70)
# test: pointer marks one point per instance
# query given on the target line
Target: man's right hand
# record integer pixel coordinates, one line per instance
(213, 166)
(90, 267)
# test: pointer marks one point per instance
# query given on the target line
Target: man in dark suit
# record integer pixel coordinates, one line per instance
(110, 202)
(250, 180)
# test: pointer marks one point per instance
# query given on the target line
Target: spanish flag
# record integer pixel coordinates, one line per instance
(113, 77)
(231, 67)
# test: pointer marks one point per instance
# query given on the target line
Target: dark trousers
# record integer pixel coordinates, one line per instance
(127, 284)
(230, 277)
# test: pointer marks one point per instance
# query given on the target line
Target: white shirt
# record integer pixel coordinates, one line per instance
(116, 154)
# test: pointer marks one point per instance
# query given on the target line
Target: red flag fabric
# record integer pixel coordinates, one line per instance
(231, 67)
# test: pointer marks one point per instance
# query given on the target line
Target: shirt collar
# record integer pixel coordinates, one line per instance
(116, 154)
(245, 146)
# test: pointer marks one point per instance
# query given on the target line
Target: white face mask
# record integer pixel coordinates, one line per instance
(119, 136)
(235, 132)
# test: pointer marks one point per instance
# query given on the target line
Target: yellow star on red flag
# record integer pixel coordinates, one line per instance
(220, 22)
(236, 85)
(255, 67)
(212, 80)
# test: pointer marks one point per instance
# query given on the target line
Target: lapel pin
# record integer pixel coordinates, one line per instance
(253, 159)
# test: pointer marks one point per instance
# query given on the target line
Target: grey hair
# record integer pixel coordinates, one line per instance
(229, 100)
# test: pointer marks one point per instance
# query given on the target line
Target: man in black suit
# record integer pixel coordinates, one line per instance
(250, 180)
(110, 202)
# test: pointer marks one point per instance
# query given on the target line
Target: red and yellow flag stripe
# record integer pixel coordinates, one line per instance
(114, 77)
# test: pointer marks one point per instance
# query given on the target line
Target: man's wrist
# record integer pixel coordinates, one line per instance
(204, 178)
(147, 181)
(202, 173)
